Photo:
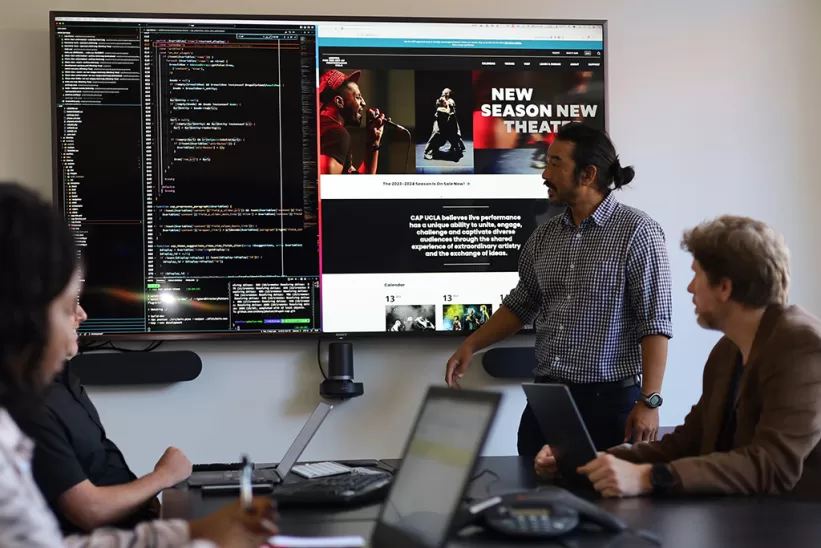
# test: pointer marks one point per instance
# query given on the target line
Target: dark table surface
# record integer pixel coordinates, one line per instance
(750, 522)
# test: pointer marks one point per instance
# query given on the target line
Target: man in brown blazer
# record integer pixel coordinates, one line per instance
(757, 426)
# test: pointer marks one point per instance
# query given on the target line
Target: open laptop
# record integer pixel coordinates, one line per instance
(438, 461)
(563, 429)
(275, 475)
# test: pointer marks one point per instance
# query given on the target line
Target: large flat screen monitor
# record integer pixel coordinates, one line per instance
(222, 179)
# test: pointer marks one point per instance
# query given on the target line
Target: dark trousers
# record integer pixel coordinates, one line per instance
(604, 407)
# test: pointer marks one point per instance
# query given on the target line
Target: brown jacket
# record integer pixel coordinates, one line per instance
(778, 416)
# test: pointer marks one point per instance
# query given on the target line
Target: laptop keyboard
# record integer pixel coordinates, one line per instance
(260, 475)
(216, 466)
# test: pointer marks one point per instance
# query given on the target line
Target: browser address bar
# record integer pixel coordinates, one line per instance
(396, 30)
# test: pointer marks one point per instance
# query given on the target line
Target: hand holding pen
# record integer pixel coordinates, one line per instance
(245, 485)
(247, 522)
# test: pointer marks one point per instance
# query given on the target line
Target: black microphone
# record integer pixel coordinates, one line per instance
(386, 120)
(397, 126)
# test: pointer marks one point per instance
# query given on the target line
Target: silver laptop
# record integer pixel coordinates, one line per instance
(273, 475)
(439, 459)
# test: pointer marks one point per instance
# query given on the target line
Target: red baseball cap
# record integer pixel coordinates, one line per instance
(333, 80)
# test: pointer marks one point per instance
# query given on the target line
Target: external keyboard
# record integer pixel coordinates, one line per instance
(320, 470)
(348, 490)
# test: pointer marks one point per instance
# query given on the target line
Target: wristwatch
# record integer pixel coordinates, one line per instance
(652, 401)
(663, 479)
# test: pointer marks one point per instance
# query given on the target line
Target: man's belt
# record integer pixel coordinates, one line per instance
(623, 383)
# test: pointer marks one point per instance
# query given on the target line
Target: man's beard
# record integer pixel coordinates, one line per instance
(564, 199)
(349, 117)
(557, 199)
(708, 321)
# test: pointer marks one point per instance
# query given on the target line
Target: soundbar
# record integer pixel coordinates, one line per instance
(136, 368)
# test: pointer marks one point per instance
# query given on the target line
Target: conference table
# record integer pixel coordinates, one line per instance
(703, 522)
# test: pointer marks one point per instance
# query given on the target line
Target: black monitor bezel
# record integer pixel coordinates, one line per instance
(235, 335)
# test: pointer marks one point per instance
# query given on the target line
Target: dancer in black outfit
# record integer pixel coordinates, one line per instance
(445, 128)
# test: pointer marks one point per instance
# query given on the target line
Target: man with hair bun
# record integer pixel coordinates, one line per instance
(596, 283)
(757, 426)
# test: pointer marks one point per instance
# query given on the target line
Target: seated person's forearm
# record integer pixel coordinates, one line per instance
(89, 506)
(502, 324)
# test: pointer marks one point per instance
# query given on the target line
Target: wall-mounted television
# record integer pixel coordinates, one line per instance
(222, 181)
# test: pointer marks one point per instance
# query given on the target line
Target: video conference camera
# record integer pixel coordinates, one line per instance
(339, 383)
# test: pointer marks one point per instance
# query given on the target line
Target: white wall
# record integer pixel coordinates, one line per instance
(714, 102)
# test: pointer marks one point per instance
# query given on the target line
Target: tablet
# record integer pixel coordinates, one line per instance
(562, 427)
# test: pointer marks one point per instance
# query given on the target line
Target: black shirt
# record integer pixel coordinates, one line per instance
(71, 446)
(335, 141)
(727, 433)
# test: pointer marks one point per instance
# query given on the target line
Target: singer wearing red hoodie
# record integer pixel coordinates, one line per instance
(341, 104)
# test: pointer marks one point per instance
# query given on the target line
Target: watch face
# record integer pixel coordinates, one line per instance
(662, 477)
(655, 400)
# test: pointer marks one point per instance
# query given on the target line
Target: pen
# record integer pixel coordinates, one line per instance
(245, 490)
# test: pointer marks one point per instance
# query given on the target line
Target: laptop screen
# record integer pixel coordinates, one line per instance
(438, 461)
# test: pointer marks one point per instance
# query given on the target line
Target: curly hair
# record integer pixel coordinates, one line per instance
(747, 252)
(39, 259)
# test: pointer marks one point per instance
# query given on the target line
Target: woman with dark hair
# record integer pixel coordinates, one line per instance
(39, 287)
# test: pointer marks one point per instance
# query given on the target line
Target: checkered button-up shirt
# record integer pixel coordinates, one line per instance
(594, 292)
